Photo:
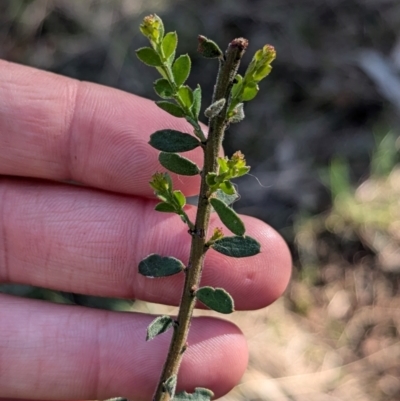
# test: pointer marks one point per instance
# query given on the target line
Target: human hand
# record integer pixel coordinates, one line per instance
(89, 239)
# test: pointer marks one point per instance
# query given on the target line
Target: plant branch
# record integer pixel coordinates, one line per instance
(226, 75)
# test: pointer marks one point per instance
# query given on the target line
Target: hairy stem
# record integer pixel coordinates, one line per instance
(218, 124)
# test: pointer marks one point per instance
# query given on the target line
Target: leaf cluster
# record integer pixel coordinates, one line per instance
(179, 99)
(246, 87)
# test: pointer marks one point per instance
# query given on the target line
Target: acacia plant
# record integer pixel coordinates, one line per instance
(216, 193)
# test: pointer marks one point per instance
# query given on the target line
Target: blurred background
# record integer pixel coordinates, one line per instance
(323, 137)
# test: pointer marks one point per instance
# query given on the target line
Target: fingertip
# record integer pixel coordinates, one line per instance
(216, 358)
(257, 281)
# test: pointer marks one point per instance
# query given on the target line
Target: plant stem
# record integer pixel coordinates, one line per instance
(227, 72)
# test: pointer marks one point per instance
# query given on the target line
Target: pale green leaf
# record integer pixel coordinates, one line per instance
(249, 92)
(227, 187)
(196, 101)
(242, 171)
(181, 69)
(170, 385)
(223, 164)
(237, 86)
(169, 44)
(200, 394)
(181, 199)
(237, 114)
(214, 109)
(186, 96)
(158, 326)
(227, 199)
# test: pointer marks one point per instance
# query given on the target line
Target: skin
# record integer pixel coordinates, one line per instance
(89, 239)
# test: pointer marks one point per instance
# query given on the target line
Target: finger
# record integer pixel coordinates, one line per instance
(65, 352)
(85, 241)
(58, 128)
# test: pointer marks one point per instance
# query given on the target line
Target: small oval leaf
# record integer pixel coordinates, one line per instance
(227, 187)
(237, 114)
(171, 108)
(169, 44)
(169, 140)
(181, 69)
(214, 109)
(237, 247)
(228, 217)
(149, 56)
(208, 48)
(170, 385)
(200, 394)
(186, 96)
(163, 88)
(180, 198)
(158, 326)
(196, 101)
(249, 92)
(158, 266)
(165, 207)
(178, 164)
(216, 299)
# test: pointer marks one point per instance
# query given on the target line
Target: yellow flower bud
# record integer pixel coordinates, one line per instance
(152, 27)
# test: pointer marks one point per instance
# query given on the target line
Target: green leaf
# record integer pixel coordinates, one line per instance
(169, 140)
(169, 44)
(163, 88)
(181, 69)
(171, 108)
(237, 87)
(180, 198)
(178, 164)
(216, 299)
(149, 56)
(186, 96)
(170, 385)
(227, 187)
(165, 207)
(262, 72)
(228, 217)
(200, 394)
(193, 123)
(208, 48)
(211, 179)
(223, 164)
(249, 92)
(158, 266)
(214, 109)
(242, 171)
(158, 326)
(227, 199)
(196, 101)
(237, 247)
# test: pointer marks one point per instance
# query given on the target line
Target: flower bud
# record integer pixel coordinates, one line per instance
(153, 28)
